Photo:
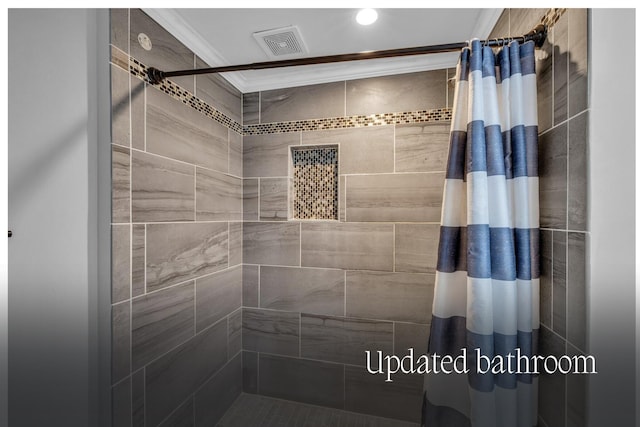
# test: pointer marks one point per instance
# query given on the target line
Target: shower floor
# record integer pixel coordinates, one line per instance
(260, 411)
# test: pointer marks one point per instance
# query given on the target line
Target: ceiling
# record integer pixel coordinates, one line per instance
(224, 37)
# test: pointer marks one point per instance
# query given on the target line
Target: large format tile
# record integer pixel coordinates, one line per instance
(271, 243)
(544, 84)
(120, 184)
(416, 247)
(251, 108)
(250, 208)
(553, 178)
(235, 153)
(576, 291)
(301, 380)
(578, 181)
(546, 277)
(274, 199)
(160, 321)
(120, 28)
(576, 394)
(235, 243)
(181, 417)
(161, 189)
(559, 310)
(166, 54)
(362, 150)
(302, 103)
(138, 111)
(120, 107)
(217, 394)
(406, 297)
(218, 295)
(552, 387)
(579, 65)
(249, 372)
(561, 59)
(370, 394)
(120, 341)
(138, 238)
(410, 335)
(343, 340)
(422, 147)
(309, 290)
(396, 198)
(178, 131)
(179, 252)
(137, 399)
(406, 92)
(218, 196)
(270, 331)
(172, 378)
(347, 245)
(121, 403)
(267, 155)
(250, 283)
(120, 262)
(216, 91)
(234, 332)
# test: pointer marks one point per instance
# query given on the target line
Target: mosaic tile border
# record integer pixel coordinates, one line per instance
(552, 16)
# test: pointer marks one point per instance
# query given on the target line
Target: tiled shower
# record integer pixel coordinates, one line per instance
(220, 288)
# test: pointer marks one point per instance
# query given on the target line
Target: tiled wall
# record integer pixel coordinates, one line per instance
(177, 236)
(563, 115)
(317, 294)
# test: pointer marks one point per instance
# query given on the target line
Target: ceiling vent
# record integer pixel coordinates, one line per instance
(281, 43)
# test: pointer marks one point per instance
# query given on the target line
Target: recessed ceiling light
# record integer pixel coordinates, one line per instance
(367, 16)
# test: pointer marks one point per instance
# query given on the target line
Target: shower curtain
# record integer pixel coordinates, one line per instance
(486, 297)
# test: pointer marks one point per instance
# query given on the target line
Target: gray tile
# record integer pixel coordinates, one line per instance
(576, 395)
(120, 341)
(560, 69)
(218, 394)
(271, 243)
(235, 153)
(576, 291)
(120, 107)
(405, 297)
(217, 296)
(120, 28)
(362, 150)
(251, 108)
(218, 196)
(216, 91)
(235, 243)
(501, 29)
(249, 372)
(234, 328)
(553, 178)
(552, 387)
(544, 75)
(347, 245)
(138, 108)
(120, 262)
(179, 252)
(161, 189)
(578, 181)
(523, 20)
(173, 377)
(121, 404)
(422, 147)
(397, 198)
(181, 417)
(578, 65)
(137, 399)
(138, 260)
(560, 282)
(451, 86)
(405, 92)
(250, 281)
(250, 199)
(410, 335)
(302, 103)
(546, 277)
(178, 131)
(309, 290)
(274, 199)
(120, 184)
(342, 194)
(416, 247)
(267, 155)
(370, 394)
(166, 54)
(270, 331)
(343, 340)
(160, 321)
(301, 380)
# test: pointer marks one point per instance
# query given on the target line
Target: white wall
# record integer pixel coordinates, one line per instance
(612, 145)
(56, 88)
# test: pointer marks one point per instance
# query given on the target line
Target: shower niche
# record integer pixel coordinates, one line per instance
(313, 183)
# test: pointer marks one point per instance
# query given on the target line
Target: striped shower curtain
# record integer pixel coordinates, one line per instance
(487, 279)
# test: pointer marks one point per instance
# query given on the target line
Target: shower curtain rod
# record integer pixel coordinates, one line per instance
(538, 35)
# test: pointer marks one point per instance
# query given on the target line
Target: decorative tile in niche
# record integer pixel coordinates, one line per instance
(315, 182)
